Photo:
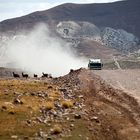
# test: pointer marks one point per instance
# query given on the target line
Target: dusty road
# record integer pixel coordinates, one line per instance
(127, 80)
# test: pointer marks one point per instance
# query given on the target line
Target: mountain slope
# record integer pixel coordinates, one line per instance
(122, 14)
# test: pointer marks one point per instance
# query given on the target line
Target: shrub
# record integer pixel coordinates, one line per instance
(49, 105)
(67, 103)
(57, 129)
(50, 87)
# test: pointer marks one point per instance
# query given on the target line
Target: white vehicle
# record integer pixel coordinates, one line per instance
(95, 64)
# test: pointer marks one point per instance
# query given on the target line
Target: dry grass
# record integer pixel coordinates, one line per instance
(49, 105)
(14, 116)
(57, 129)
(67, 103)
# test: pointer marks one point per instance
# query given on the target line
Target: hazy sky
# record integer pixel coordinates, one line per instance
(15, 8)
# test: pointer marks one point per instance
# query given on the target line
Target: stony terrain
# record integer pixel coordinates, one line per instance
(119, 39)
(100, 31)
(78, 106)
(84, 104)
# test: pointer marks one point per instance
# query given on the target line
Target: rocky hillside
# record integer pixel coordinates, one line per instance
(118, 15)
(114, 38)
(112, 24)
(78, 106)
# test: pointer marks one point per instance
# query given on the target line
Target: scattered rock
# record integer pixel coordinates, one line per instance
(72, 120)
(71, 125)
(80, 96)
(33, 94)
(77, 116)
(94, 118)
(67, 118)
(40, 94)
(18, 93)
(14, 137)
(11, 112)
(26, 138)
(17, 101)
(42, 134)
(63, 89)
(4, 107)
(28, 121)
(49, 138)
(39, 119)
(48, 124)
(50, 87)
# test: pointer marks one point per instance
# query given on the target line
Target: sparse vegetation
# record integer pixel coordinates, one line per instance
(49, 105)
(68, 110)
(57, 129)
(67, 104)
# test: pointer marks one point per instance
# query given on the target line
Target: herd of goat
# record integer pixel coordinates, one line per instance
(15, 75)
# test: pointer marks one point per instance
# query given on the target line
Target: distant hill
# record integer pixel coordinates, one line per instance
(119, 15)
(95, 30)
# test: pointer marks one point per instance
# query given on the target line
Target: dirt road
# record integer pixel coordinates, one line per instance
(127, 80)
(117, 110)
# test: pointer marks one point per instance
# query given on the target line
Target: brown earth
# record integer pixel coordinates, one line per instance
(117, 111)
(94, 49)
(78, 106)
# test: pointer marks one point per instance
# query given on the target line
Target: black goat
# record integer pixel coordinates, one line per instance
(50, 76)
(44, 74)
(35, 75)
(25, 75)
(16, 75)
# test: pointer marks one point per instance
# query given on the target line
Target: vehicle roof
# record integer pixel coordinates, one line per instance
(95, 60)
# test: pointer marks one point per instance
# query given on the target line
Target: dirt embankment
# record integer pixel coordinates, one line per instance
(118, 113)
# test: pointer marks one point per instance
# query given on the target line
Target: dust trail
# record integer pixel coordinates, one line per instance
(39, 52)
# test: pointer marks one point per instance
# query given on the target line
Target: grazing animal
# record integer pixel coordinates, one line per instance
(25, 75)
(16, 75)
(35, 75)
(44, 74)
(50, 76)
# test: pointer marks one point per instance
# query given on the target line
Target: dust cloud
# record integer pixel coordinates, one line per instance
(39, 51)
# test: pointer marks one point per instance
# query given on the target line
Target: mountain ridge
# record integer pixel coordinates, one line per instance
(121, 14)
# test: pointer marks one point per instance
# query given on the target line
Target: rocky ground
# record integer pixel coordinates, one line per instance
(78, 106)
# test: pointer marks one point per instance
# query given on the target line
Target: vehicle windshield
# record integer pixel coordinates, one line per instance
(95, 64)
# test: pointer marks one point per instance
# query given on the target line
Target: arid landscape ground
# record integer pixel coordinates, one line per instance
(77, 106)
(72, 103)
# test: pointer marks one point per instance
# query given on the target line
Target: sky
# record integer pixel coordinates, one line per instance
(17, 8)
